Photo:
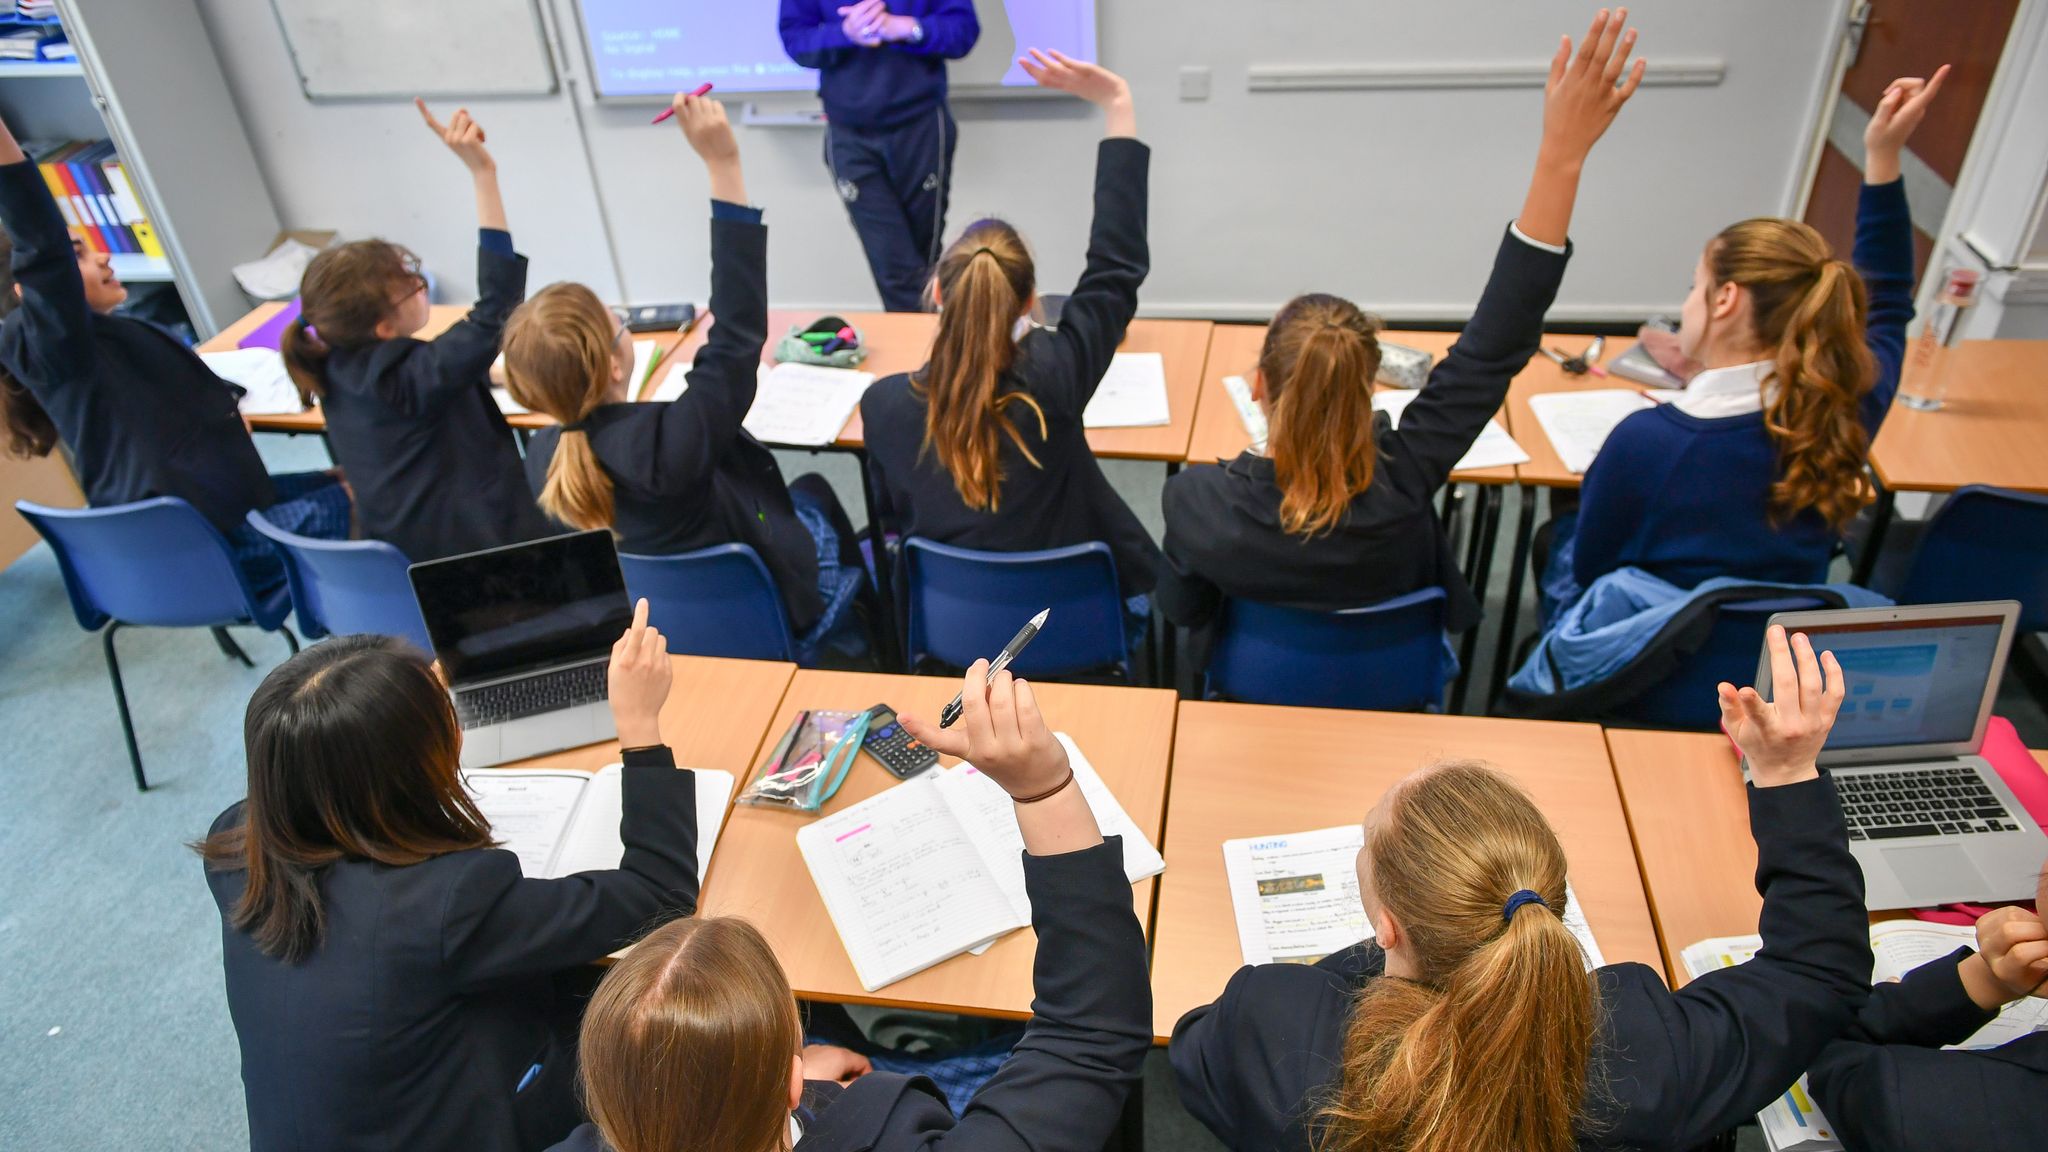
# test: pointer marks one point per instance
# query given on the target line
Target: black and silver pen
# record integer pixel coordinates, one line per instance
(1002, 661)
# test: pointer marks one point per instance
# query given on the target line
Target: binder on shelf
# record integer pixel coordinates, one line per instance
(129, 202)
(46, 163)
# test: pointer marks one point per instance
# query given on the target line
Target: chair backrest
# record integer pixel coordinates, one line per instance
(717, 601)
(963, 605)
(1686, 698)
(346, 587)
(155, 562)
(1984, 544)
(1388, 656)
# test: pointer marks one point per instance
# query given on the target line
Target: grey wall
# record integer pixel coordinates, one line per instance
(1394, 196)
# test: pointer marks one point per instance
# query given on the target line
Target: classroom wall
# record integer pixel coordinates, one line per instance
(1394, 196)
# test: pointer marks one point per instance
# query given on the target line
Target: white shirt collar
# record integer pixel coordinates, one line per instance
(796, 1130)
(1721, 392)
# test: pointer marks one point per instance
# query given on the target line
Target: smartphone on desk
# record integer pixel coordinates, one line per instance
(889, 742)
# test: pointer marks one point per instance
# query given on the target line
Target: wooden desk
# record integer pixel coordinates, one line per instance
(1126, 733)
(1990, 431)
(1242, 770)
(1234, 351)
(1690, 815)
(716, 712)
(901, 342)
(440, 318)
(1545, 469)
(44, 480)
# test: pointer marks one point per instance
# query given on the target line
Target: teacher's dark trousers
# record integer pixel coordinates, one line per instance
(894, 182)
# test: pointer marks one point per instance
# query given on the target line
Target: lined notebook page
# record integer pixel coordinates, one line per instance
(1578, 422)
(904, 883)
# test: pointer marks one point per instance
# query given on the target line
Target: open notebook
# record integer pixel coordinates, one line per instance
(1793, 1123)
(1296, 897)
(1578, 422)
(793, 403)
(1132, 394)
(934, 867)
(559, 821)
(646, 356)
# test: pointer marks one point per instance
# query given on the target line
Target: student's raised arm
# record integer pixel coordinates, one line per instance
(1093, 321)
(698, 426)
(1584, 93)
(1884, 234)
(57, 321)
(1739, 1036)
(1064, 1084)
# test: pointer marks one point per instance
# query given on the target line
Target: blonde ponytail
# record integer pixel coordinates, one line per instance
(1809, 309)
(984, 280)
(1318, 363)
(559, 347)
(1489, 1048)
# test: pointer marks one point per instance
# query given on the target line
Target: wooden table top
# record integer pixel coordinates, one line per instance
(440, 318)
(1234, 351)
(1687, 805)
(1126, 733)
(1243, 770)
(717, 710)
(1545, 469)
(1990, 431)
(901, 342)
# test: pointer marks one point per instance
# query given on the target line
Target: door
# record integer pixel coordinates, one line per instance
(1892, 38)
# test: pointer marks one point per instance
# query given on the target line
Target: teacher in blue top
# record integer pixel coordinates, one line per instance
(889, 136)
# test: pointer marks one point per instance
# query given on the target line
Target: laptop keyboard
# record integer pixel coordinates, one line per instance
(499, 703)
(1920, 802)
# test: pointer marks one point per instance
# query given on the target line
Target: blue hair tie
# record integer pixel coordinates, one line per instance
(1515, 902)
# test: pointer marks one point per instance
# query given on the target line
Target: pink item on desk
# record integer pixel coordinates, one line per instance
(2021, 773)
(270, 333)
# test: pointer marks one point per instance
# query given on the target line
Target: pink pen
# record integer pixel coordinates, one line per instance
(670, 111)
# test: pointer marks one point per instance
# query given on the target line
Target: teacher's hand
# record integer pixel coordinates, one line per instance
(862, 22)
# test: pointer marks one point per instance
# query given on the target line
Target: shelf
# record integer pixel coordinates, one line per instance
(134, 268)
(14, 68)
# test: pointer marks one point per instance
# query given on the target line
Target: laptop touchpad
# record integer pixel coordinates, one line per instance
(1934, 873)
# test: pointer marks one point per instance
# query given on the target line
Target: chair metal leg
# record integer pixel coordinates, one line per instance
(121, 702)
(230, 649)
(290, 640)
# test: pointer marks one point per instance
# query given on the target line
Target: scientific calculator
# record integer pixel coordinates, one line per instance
(900, 752)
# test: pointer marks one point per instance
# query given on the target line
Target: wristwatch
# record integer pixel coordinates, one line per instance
(917, 31)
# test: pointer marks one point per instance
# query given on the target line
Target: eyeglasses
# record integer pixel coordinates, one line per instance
(625, 322)
(410, 275)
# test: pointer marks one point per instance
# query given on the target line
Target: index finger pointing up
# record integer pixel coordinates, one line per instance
(436, 125)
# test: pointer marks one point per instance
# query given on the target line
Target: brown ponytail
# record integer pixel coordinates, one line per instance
(29, 430)
(558, 360)
(1318, 363)
(345, 292)
(1488, 1048)
(984, 281)
(1809, 311)
(687, 1040)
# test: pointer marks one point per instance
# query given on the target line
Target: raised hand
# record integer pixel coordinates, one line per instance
(1899, 111)
(1091, 82)
(638, 681)
(1586, 91)
(1000, 732)
(1782, 739)
(462, 135)
(862, 22)
(704, 125)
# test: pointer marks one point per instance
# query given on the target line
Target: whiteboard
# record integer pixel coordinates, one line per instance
(387, 49)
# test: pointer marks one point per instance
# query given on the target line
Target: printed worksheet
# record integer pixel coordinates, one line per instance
(1578, 422)
(261, 371)
(1494, 448)
(1132, 394)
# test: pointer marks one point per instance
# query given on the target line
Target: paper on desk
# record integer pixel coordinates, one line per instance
(1578, 422)
(646, 354)
(1132, 394)
(1296, 897)
(1248, 412)
(278, 273)
(1493, 449)
(506, 403)
(793, 403)
(261, 371)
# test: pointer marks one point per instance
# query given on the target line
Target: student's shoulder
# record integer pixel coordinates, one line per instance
(231, 817)
(584, 1139)
(879, 1110)
(891, 407)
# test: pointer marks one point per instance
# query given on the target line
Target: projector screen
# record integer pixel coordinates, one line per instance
(658, 47)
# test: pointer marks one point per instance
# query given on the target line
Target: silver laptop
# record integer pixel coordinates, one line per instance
(524, 635)
(1929, 819)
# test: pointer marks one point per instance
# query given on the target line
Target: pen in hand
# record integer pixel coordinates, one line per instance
(1002, 661)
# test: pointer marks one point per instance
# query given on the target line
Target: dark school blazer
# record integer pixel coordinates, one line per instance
(1673, 1068)
(1063, 1087)
(433, 463)
(1065, 499)
(430, 995)
(1888, 1087)
(1223, 530)
(141, 413)
(685, 474)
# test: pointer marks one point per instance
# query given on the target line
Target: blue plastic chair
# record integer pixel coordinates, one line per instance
(1983, 544)
(963, 605)
(346, 587)
(1387, 657)
(718, 601)
(155, 563)
(1686, 698)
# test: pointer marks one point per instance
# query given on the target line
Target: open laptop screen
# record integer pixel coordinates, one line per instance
(524, 608)
(1911, 682)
